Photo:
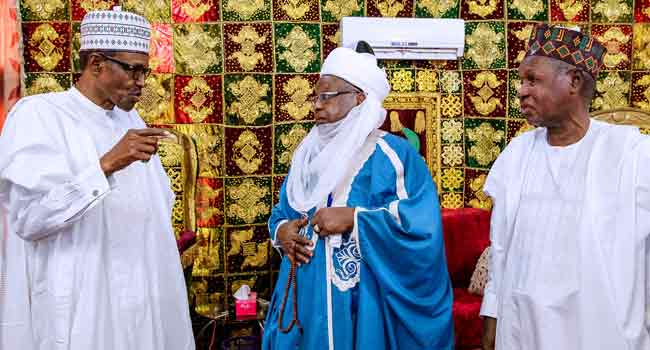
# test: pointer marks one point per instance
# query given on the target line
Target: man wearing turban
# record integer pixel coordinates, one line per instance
(90, 256)
(359, 216)
(570, 257)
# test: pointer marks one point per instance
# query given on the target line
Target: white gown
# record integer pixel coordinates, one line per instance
(91, 261)
(550, 285)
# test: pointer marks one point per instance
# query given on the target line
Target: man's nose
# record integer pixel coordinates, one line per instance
(139, 80)
(522, 91)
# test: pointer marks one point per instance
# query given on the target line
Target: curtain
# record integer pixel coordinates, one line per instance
(10, 57)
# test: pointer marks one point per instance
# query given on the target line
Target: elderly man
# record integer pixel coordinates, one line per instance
(359, 214)
(90, 257)
(570, 256)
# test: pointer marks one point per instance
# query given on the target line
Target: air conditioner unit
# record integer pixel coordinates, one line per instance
(406, 38)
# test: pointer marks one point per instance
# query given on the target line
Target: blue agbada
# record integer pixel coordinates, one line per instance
(385, 285)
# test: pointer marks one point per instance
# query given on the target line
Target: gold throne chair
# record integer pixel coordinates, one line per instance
(416, 116)
(626, 116)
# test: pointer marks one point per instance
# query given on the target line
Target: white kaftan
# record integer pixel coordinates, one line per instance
(91, 261)
(570, 259)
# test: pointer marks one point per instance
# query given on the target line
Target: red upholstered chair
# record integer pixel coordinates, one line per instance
(467, 234)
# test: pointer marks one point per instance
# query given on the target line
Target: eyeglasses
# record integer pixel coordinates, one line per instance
(324, 96)
(134, 71)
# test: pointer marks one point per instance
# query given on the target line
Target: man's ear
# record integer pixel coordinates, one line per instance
(94, 63)
(577, 80)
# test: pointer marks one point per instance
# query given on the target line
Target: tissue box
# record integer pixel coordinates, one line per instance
(246, 309)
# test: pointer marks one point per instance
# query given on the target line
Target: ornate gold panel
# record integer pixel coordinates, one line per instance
(418, 102)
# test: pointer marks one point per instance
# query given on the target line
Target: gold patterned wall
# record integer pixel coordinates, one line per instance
(235, 76)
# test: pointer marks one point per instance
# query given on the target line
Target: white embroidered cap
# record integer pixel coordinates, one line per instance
(115, 30)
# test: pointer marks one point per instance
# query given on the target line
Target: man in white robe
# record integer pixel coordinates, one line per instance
(90, 258)
(569, 266)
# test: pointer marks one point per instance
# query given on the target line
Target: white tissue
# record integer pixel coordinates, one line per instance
(243, 292)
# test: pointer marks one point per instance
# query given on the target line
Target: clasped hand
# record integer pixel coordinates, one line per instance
(325, 222)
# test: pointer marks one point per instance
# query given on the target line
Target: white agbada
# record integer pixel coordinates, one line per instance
(91, 260)
(570, 258)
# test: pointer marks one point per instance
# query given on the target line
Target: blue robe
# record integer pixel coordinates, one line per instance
(386, 285)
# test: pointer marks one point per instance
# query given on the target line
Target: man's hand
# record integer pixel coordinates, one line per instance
(135, 145)
(293, 244)
(489, 333)
(334, 220)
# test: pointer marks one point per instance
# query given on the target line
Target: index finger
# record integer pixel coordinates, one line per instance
(151, 132)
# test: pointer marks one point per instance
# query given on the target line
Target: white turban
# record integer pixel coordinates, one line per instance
(324, 157)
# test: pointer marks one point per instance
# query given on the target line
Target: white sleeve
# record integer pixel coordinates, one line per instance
(41, 191)
(494, 187)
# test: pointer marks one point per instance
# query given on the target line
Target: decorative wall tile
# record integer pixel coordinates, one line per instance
(570, 10)
(246, 10)
(297, 48)
(612, 90)
(198, 99)
(474, 195)
(452, 179)
(484, 140)
(535, 10)
(401, 80)
(611, 11)
(247, 249)
(287, 139)
(437, 8)
(197, 48)
(39, 83)
(641, 90)
(76, 46)
(40, 10)
(485, 45)
(156, 103)
(291, 97)
(514, 83)
(195, 10)
(485, 93)
(161, 49)
(389, 8)
(516, 128)
(295, 10)
(248, 200)
(330, 38)
(249, 151)
(277, 185)
(642, 10)
(618, 41)
(81, 7)
(641, 51)
(248, 47)
(47, 47)
(482, 9)
(156, 11)
(249, 99)
(334, 10)
(518, 35)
